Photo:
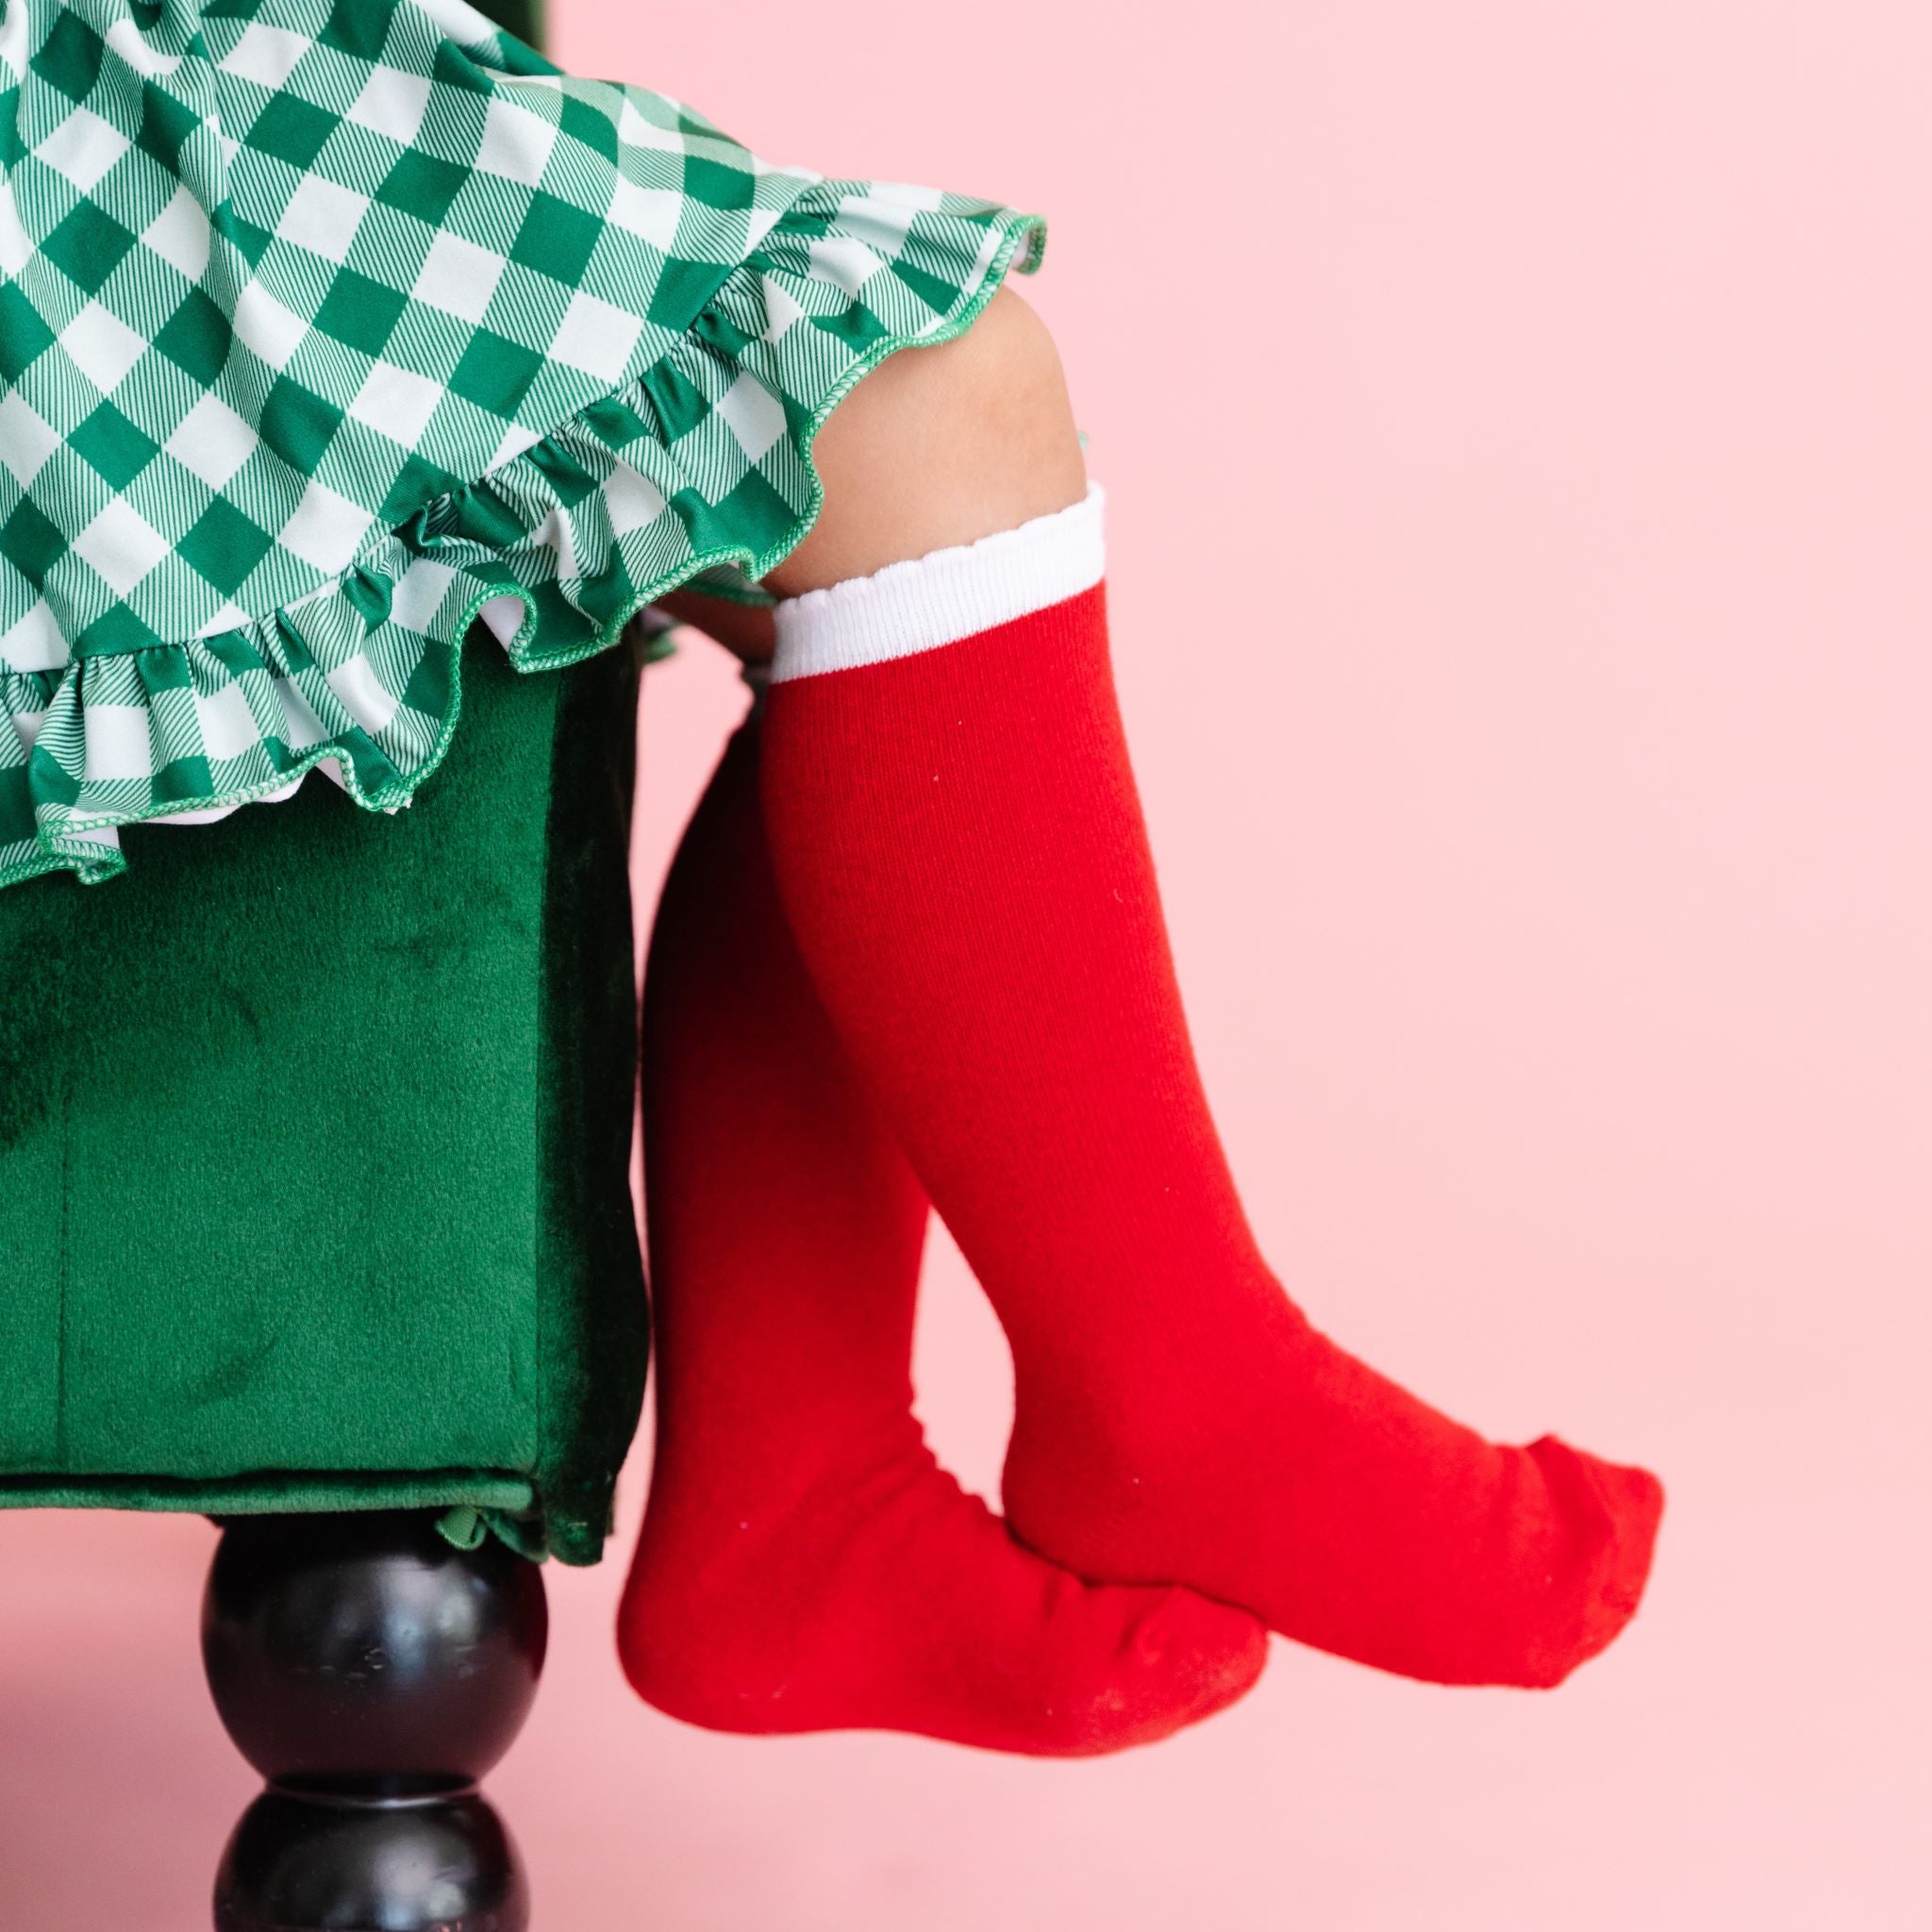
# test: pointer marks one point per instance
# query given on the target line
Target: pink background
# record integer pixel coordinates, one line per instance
(1516, 420)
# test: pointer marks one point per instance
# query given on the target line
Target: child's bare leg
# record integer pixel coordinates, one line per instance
(939, 446)
(743, 629)
(961, 855)
(936, 447)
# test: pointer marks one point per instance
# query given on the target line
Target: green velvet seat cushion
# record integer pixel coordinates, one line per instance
(314, 1144)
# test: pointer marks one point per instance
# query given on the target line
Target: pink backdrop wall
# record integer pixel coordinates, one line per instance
(1516, 423)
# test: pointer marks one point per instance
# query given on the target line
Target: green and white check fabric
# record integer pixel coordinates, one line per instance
(329, 325)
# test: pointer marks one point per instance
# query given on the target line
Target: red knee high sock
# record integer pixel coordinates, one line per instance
(804, 1563)
(961, 853)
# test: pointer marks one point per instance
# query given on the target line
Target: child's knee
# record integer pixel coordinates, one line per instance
(943, 445)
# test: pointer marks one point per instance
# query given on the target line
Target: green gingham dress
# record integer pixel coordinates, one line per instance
(331, 327)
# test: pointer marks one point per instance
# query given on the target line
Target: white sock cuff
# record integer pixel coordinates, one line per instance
(944, 596)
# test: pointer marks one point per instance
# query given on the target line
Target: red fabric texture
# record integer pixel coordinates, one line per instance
(961, 850)
(805, 1565)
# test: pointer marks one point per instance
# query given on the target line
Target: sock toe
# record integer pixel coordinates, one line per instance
(1092, 1669)
(1613, 1510)
(1190, 1657)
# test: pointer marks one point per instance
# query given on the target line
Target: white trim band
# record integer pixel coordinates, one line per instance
(940, 598)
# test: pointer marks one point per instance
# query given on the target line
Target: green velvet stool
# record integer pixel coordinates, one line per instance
(314, 1146)
(314, 1158)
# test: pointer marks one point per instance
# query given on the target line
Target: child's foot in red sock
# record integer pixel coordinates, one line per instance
(803, 1564)
(874, 1594)
(1360, 1520)
(961, 855)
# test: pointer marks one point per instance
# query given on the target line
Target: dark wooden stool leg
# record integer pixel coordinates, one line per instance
(372, 1673)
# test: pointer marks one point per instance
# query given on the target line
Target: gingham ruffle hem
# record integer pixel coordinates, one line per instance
(554, 552)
